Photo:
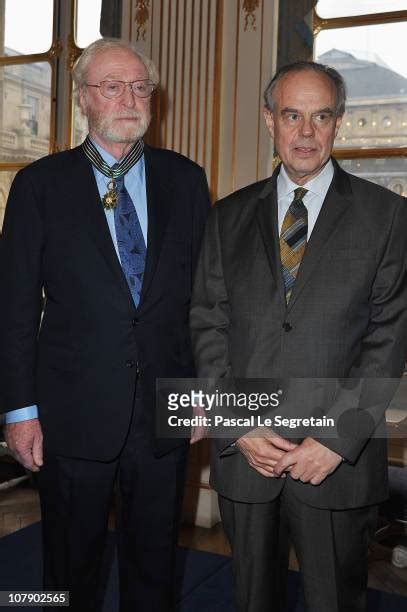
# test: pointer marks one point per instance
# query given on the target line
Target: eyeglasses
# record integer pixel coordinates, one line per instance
(114, 89)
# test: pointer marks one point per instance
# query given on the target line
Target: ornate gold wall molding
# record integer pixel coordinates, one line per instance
(249, 8)
(73, 52)
(142, 15)
(212, 77)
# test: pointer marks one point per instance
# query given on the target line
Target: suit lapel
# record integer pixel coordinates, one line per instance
(95, 220)
(159, 192)
(267, 219)
(335, 205)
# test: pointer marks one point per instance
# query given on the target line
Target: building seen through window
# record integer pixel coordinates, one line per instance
(29, 102)
(25, 110)
(374, 127)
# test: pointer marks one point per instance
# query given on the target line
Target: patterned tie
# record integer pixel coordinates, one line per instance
(293, 239)
(130, 241)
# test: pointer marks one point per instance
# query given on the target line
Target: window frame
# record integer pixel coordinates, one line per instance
(51, 56)
(321, 23)
(61, 57)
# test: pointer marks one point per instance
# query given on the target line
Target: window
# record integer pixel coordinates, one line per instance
(362, 39)
(32, 122)
(348, 8)
(87, 27)
(36, 110)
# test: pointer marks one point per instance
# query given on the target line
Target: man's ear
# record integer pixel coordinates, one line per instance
(82, 100)
(338, 122)
(269, 119)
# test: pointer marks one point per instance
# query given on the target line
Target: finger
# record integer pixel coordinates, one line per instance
(37, 451)
(264, 459)
(281, 443)
(263, 472)
(296, 474)
(268, 453)
(263, 466)
(286, 462)
(274, 454)
(316, 480)
(26, 459)
(302, 472)
(305, 478)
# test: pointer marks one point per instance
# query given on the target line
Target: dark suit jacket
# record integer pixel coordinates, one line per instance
(347, 317)
(81, 364)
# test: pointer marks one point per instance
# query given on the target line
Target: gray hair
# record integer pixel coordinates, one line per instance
(108, 44)
(332, 74)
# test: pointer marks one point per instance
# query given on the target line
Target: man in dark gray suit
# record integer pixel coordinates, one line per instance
(304, 276)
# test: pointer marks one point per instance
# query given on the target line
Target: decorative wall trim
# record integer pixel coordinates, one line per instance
(249, 8)
(212, 76)
(142, 15)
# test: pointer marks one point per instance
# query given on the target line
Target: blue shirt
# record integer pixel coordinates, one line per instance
(135, 183)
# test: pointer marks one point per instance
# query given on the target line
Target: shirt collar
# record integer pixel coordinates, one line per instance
(318, 185)
(107, 157)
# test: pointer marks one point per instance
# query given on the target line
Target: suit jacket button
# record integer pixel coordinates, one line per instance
(134, 322)
(287, 326)
(130, 363)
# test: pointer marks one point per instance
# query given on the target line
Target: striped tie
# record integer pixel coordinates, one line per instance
(293, 239)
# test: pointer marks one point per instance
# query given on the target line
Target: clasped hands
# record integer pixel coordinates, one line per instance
(273, 456)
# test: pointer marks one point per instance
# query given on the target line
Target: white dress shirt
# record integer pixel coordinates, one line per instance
(313, 200)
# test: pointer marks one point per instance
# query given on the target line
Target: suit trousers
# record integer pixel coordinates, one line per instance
(75, 498)
(331, 547)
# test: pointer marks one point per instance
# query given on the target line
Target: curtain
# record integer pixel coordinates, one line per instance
(295, 36)
(111, 18)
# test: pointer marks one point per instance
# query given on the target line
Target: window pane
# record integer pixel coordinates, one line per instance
(28, 26)
(79, 126)
(25, 102)
(347, 8)
(88, 22)
(6, 178)
(390, 172)
(375, 72)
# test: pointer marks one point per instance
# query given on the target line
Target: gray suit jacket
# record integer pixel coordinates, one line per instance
(347, 318)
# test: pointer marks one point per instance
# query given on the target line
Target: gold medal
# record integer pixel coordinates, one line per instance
(109, 200)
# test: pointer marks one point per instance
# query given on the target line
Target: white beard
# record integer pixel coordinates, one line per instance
(104, 126)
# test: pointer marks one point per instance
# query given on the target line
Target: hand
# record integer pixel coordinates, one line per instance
(310, 462)
(198, 432)
(24, 439)
(263, 449)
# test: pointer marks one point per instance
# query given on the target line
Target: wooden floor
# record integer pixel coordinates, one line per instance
(19, 507)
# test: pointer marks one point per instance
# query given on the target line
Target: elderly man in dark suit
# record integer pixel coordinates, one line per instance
(303, 276)
(109, 232)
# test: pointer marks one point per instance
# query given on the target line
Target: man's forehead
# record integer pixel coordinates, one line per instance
(296, 88)
(114, 62)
